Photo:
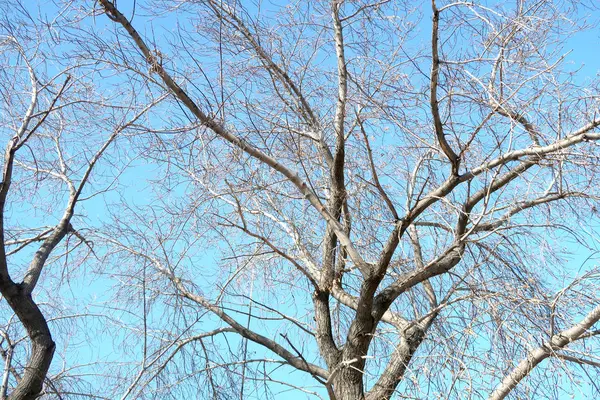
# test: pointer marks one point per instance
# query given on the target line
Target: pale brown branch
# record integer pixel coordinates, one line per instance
(538, 354)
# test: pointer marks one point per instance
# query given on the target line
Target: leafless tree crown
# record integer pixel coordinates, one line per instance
(351, 200)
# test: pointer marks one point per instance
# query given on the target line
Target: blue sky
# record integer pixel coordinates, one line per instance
(97, 293)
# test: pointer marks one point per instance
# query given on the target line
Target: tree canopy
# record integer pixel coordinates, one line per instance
(344, 200)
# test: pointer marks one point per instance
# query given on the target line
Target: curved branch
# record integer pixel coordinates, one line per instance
(433, 100)
(548, 349)
(295, 361)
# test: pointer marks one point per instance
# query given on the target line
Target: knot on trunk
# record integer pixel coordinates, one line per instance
(413, 336)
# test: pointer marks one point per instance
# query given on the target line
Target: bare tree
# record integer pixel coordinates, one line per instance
(416, 196)
(56, 127)
(347, 199)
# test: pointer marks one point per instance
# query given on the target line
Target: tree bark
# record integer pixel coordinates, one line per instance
(348, 384)
(42, 345)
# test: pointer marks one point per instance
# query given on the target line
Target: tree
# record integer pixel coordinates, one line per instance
(334, 193)
(50, 119)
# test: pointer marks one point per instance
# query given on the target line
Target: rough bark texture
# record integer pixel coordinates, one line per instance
(348, 385)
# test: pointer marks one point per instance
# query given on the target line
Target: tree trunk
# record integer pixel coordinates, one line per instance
(348, 385)
(42, 345)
